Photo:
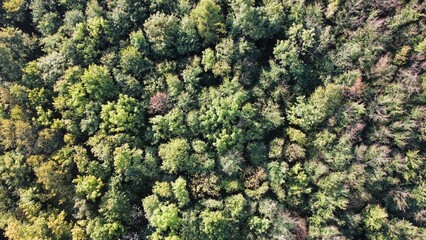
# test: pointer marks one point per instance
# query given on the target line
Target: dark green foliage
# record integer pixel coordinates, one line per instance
(212, 119)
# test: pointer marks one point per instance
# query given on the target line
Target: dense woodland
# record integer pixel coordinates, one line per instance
(212, 119)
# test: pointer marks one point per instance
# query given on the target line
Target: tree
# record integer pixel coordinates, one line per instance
(309, 113)
(89, 186)
(128, 163)
(15, 11)
(180, 192)
(16, 48)
(98, 83)
(249, 20)
(230, 162)
(166, 217)
(215, 225)
(375, 218)
(158, 103)
(162, 31)
(115, 206)
(175, 155)
(209, 21)
(188, 40)
(133, 62)
(205, 185)
(14, 172)
(98, 228)
(123, 116)
(255, 183)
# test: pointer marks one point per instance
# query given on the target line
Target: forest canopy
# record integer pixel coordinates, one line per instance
(212, 119)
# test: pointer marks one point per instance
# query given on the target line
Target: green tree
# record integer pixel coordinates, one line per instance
(188, 39)
(98, 83)
(133, 62)
(249, 20)
(89, 186)
(180, 192)
(123, 116)
(162, 32)
(215, 225)
(175, 155)
(14, 172)
(209, 20)
(309, 113)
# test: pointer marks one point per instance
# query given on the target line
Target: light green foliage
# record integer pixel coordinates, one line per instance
(124, 115)
(298, 185)
(259, 225)
(209, 20)
(88, 186)
(296, 135)
(231, 186)
(89, 37)
(175, 155)
(308, 113)
(150, 203)
(224, 57)
(170, 125)
(421, 47)
(180, 192)
(276, 148)
(288, 53)
(255, 183)
(209, 59)
(13, 171)
(215, 225)
(115, 206)
(249, 20)
(276, 175)
(256, 22)
(414, 166)
(133, 62)
(406, 15)
(403, 229)
(166, 217)
(272, 114)
(98, 228)
(332, 7)
(402, 55)
(162, 189)
(332, 196)
(218, 119)
(375, 217)
(98, 83)
(138, 40)
(235, 205)
(128, 162)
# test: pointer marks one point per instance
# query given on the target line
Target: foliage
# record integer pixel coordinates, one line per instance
(175, 155)
(209, 20)
(212, 119)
